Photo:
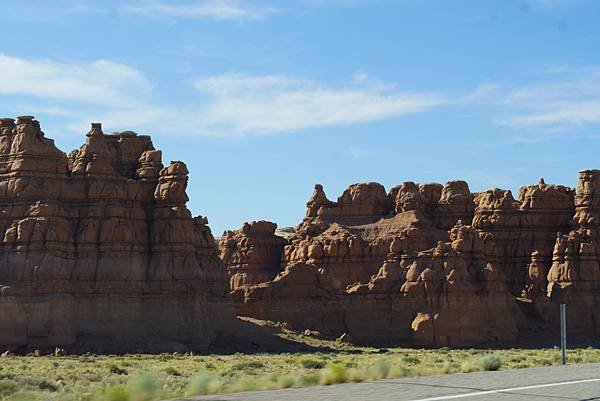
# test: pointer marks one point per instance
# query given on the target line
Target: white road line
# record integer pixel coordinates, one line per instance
(505, 390)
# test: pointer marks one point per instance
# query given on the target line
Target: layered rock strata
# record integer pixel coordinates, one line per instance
(433, 264)
(572, 276)
(520, 227)
(252, 254)
(98, 250)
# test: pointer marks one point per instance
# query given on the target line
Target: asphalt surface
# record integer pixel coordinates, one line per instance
(572, 382)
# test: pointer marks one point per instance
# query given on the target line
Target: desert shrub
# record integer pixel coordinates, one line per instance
(519, 358)
(382, 369)
(312, 364)
(469, 366)
(243, 384)
(114, 393)
(334, 373)
(286, 381)
(202, 384)
(95, 377)
(7, 387)
(308, 379)
(271, 382)
(171, 371)
(399, 371)
(46, 385)
(116, 370)
(411, 359)
(142, 388)
(248, 365)
(447, 368)
(490, 362)
(522, 365)
(544, 362)
(7, 376)
(589, 357)
(356, 376)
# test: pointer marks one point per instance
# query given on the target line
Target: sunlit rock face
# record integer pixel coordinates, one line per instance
(99, 251)
(572, 276)
(252, 254)
(520, 227)
(431, 263)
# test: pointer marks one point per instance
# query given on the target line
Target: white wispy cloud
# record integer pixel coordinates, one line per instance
(486, 91)
(249, 104)
(568, 100)
(78, 92)
(565, 101)
(220, 10)
(97, 82)
(224, 10)
(52, 12)
(227, 104)
(360, 153)
(339, 3)
(557, 3)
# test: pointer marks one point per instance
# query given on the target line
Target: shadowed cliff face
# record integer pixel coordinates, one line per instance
(430, 264)
(98, 250)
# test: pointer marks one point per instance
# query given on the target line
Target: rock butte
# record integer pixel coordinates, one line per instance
(426, 263)
(99, 251)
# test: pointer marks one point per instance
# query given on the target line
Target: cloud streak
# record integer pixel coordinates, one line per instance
(78, 92)
(233, 105)
(565, 102)
(360, 153)
(571, 100)
(557, 3)
(99, 82)
(249, 104)
(222, 10)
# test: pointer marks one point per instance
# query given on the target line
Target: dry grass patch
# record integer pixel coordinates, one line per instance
(154, 377)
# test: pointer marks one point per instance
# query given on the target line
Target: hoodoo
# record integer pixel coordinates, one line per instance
(428, 263)
(98, 250)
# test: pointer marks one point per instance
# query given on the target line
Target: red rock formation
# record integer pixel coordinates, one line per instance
(363, 266)
(443, 205)
(450, 294)
(437, 264)
(98, 250)
(520, 227)
(573, 273)
(252, 254)
(359, 204)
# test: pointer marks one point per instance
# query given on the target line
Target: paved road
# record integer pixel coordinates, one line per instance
(574, 382)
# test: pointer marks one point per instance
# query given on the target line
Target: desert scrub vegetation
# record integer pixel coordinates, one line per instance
(158, 377)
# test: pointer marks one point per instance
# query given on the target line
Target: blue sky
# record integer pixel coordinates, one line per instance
(263, 99)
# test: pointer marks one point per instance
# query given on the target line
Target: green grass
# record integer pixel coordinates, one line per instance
(154, 377)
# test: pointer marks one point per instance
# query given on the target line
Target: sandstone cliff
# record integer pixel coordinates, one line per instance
(431, 263)
(98, 250)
